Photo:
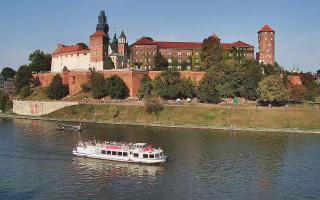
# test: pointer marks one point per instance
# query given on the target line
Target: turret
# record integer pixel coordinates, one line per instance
(266, 36)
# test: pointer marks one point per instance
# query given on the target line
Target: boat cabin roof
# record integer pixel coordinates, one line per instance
(140, 144)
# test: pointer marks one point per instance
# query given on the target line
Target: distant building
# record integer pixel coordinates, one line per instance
(266, 37)
(181, 53)
(7, 85)
(81, 57)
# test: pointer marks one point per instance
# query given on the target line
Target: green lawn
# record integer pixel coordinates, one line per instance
(300, 117)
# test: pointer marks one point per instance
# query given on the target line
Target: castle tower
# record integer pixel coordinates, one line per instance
(123, 45)
(98, 50)
(266, 45)
(102, 24)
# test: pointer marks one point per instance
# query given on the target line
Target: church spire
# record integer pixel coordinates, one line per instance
(115, 39)
(102, 23)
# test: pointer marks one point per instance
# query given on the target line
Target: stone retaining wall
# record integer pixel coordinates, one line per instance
(37, 108)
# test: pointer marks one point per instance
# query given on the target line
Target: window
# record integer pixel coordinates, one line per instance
(108, 152)
(179, 61)
(145, 155)
(103, 151)
(188, 61)
(179, 53)
(119, 153)
(169, 60)
(125, 154)
(169, 53)
(135, 155)
(137, 52)
(157, 155)
(151, 156)
(197, 53)
(188, 53)
(197, 61)
(161, 155)
(114, 153)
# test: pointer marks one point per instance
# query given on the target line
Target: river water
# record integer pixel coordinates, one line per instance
(36, 163)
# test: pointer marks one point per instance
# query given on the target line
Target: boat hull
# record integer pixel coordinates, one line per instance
(114, 158)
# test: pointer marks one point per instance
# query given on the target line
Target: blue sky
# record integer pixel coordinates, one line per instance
(27, 25)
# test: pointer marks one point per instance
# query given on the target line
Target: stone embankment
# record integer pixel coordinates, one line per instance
(38, 108)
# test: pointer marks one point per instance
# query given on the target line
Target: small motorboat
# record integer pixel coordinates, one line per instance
(70, 127)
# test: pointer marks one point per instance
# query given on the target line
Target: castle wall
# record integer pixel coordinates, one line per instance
(73, 61)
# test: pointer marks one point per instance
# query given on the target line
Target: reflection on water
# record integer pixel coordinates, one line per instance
(110, 168)
(36, 163)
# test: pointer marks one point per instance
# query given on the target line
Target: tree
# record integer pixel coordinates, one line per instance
(146, 87)
(273, 91)
(116, 88)
(57, 89)
(109, 63)
(5, 102)
(252, 75)
(167, 84)
(207, 92)
(188, 88)
(39, 61)
(25, 92)
(23, 78)
(211, 52)
(7, 73)
(160, 63)
(308, 81)
(297, 93)
(98, 89)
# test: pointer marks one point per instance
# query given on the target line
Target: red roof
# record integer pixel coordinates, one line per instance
(98, 33)
(186, 45)
(179, 45)
(266, 28)
(68, 49)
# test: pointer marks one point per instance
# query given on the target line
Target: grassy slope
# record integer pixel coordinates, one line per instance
(301, 117)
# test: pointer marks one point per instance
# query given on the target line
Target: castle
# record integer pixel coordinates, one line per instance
(73, 62)
(80, 57)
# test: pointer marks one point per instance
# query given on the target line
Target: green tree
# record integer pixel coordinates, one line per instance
(160, 62)
(272, 90)
(7, 73)
(25, 92)
(56, 89)
(188, 88)
(146, 87)
(167, 84)
(109, 63)
(39, 61)
(211, 52)
(23, 78)
(116, 88)
(5, 102)
(252, 75)
(207, 92)
(97, 82)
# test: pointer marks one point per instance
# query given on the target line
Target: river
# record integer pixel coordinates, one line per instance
(36, 163)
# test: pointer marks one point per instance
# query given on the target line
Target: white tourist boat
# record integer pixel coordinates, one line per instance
(124, 152)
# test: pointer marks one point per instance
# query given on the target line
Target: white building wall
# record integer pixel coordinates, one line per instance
(73, 62)
(97, 65)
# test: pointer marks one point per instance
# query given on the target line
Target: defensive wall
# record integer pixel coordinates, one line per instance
(37, 108)
(132, 78)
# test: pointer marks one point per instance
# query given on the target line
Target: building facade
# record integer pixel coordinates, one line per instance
(7, 85)
(81, 57)
(266, 37)
(181, 54)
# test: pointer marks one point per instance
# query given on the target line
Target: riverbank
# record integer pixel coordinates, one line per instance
(297, 119)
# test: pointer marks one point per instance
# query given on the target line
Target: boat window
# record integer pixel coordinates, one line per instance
(108, 152)
(145, 155)
(151, 156)
(119, 153)
(161, 155)
(136, 155)
(157, 155)
(125, 154)
(103, 151)
(114, 153)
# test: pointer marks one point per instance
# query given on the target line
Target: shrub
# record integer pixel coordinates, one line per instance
(25, 92)
(56, 89)
(153, 104)
(207, 92)
(187, 88)
(97, 85)
(116, 88)
(5, 102)
(145, 88)
(86, 87)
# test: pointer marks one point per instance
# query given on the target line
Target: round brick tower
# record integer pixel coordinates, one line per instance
(266, 45)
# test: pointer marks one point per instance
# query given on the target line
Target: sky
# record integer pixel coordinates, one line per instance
(27, 25)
